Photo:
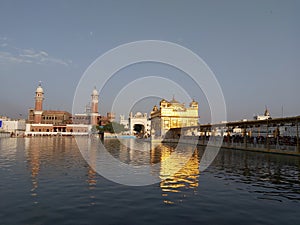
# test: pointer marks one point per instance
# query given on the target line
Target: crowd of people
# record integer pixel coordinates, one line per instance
(279, 140)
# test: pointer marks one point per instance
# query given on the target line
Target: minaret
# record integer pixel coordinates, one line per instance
(38, 109)
(94, 107)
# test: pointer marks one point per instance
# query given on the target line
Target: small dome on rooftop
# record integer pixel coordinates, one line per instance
(95, 92)
(138, 114)
(39, 89)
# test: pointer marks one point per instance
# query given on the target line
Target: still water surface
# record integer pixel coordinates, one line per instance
(46, 181)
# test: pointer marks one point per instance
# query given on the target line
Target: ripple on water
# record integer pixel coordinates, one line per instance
(46, 181)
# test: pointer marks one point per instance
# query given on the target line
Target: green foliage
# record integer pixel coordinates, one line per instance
(112, 127)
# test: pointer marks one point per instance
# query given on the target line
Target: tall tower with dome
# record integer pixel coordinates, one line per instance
(38, 109)
(94, 107)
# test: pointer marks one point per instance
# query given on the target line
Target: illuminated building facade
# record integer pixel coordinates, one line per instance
(172, 114)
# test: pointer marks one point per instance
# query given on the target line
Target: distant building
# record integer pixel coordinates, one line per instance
(172, 114)
(91, 115)
(124, 122)
(14, 127)
(54, 117)
(266, 115)
(81, 118)
(55, 122)
(40, 116)
(137, 124)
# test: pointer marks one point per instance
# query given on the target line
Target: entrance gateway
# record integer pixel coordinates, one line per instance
(138, 124)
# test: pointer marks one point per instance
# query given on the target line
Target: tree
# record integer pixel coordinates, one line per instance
(112, 127)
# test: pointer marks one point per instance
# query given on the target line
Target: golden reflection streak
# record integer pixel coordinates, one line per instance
(187, 178)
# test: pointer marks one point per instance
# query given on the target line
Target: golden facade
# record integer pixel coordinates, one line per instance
(173, 114)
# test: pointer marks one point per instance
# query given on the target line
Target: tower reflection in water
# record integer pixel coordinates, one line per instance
(92, 174)
(32, 149)
(57, 158)
(184, 182)
(35, 168)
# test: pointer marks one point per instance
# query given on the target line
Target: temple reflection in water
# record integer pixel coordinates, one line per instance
(175, 166)
(178, 177)
(184, 181)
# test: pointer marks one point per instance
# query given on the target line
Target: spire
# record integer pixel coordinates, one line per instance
(174, 100)
(95, 92)
(39, 88)
(267, 113)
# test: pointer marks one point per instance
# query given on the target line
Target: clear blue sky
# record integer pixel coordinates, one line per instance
(252, 47)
